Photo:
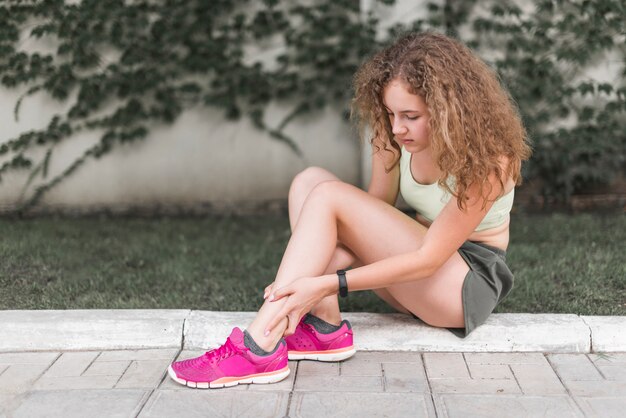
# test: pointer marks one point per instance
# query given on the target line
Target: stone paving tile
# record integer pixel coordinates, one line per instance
(318, 368)
(535, 379)
(609, 358)
(612, 366)
(185, 354)
(404, 369)
(107, 368)
(490, 371)
(215, 403)
(317, 383)
(389, 357)
(603, 407)
(510, 406)
(28, 358)
(143, 374)
(445, 365)
(75, 382)
(474, 386)
(9, 403)
(505, 358)
(397, 385)
(574, 367)
(81, 404)
(404, 377)
(360, 405)
(21, 377)
(596, 388)
(533, 372)
(615, 371)
(168, 384)
(360, 367)
(148, 354)
(71, 364)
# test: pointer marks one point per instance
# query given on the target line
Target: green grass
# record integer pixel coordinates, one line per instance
(566, 264)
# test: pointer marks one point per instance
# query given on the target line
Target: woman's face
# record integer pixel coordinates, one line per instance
(408, 116)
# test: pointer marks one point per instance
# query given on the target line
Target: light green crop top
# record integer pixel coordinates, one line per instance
(429, 199)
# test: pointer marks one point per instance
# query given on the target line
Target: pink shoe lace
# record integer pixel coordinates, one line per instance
(226, 350)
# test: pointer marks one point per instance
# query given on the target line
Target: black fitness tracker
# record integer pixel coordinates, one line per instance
(343, 284)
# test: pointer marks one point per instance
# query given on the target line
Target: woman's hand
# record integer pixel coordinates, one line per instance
(302, 295)
(268, 290)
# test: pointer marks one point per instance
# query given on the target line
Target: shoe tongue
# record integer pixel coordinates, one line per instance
(236, 336)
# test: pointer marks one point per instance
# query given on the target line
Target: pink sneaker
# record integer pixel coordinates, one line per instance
(230, 365)
(307, 343)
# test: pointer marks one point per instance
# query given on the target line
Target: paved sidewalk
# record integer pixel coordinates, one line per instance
(131, 383)
(112, 363)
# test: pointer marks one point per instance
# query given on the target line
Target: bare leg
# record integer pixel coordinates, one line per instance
(303, 183)
(328, 308)
(310, 250)
(372, 230)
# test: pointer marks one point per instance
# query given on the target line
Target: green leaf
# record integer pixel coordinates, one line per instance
(605, 87)
(586, 88)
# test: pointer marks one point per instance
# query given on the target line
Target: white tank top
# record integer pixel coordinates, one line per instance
(429, 199)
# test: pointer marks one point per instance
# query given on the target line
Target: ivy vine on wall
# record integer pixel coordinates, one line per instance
(577, 124)
(141, 62)
(126, 65)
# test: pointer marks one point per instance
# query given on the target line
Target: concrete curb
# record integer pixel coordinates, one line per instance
(138, 329)
(90, 329)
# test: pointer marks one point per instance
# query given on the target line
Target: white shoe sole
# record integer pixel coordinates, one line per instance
(263, 378)
(328, 355)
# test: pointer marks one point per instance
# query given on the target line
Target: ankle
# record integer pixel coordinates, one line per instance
(333, 318)
(256, 348)
(267, 343)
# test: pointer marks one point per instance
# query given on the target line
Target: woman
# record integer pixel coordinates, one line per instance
(448, 137)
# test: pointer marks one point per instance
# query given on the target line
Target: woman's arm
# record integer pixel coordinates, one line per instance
(445, 236)
(385, 186)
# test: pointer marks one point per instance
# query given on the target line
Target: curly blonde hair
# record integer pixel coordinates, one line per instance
(473, 122)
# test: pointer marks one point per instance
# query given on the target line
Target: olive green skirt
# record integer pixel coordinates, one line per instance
(486, 284)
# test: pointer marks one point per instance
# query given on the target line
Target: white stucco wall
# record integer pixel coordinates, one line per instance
(203, 162)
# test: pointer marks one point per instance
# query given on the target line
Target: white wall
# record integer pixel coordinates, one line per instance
(201, 159)
(200, 162)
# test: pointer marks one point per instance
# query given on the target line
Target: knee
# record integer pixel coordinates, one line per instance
(308, 179)
(327, 191)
